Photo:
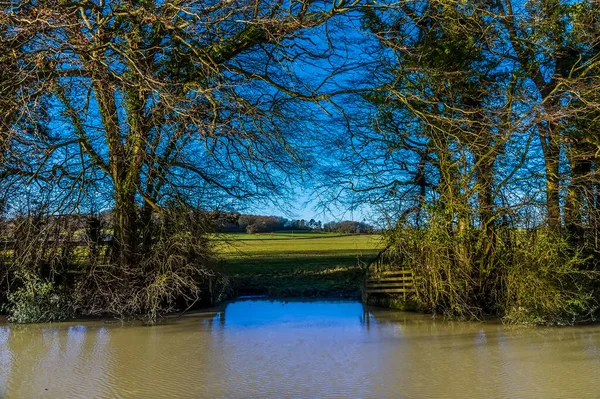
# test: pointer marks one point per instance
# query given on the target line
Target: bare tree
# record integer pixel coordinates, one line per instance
(168, 98)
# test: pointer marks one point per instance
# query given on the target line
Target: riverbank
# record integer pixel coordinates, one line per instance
(278, 265)
(297, 264)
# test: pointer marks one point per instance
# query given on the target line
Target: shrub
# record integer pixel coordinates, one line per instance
(37, 301)
(173, 269)
(61, 267)
(545, 281)
(531, 276)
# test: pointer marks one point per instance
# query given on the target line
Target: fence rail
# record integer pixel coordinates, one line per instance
(384, 276)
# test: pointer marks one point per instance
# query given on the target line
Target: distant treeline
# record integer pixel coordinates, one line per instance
(232, 222)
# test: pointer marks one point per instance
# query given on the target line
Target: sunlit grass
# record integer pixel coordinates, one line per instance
(278, 235)
(286, 263)
(314, 264)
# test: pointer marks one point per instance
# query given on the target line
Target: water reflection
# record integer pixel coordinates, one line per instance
(261, 348)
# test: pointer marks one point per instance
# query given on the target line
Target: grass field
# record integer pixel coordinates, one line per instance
(297, 264)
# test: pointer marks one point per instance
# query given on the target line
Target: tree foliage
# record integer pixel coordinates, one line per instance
(472, 126)
(482, 130)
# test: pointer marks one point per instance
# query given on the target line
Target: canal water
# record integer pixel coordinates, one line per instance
(318, 349)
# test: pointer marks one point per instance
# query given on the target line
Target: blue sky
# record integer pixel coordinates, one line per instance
(304, 205)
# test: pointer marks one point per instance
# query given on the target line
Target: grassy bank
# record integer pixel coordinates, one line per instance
(297, 264)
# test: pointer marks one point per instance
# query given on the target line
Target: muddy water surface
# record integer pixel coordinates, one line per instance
(324, 349)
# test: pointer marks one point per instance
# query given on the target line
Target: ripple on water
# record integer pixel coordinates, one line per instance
(261, 348)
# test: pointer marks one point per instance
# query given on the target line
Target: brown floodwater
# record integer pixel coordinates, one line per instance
(320, 349)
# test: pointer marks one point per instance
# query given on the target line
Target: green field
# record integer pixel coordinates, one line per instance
(297, 264)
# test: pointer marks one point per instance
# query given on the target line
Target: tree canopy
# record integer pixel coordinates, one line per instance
(471, 127)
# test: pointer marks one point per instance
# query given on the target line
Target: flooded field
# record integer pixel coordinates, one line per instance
(262, 348)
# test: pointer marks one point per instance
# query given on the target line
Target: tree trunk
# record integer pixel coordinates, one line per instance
(552, 186)
(485, 193)
(579, 188)
(551, 151)
(125, 224)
